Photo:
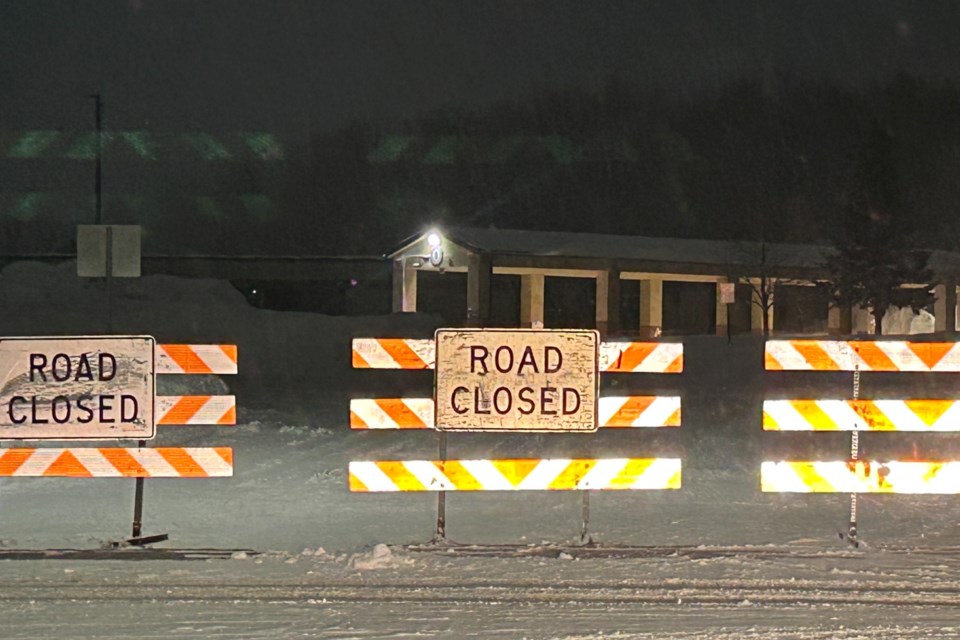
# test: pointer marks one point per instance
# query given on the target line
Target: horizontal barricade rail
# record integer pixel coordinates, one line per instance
(90, 462)
(417, 413)
(614, 357)
(514, 475)
(861, 476)
(190, 410)
(850, 355)
(861, 415)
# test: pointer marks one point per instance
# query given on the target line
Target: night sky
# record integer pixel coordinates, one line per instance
(299, 67)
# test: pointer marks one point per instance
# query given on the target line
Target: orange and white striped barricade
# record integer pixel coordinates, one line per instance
(141, 462)
(418, 413)
(855, 415)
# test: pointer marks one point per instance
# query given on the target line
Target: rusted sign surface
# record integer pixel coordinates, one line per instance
(516, 380)
(77, 388)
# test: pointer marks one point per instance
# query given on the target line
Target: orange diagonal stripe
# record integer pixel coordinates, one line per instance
(400, 351)
(356, 422)
(630, 472)
(572, 474)
(515, 470)
(67, 465)
(629, 411)
(676, 366)
(357, 485)
(185, 358)
(229, 350)
(459, 476)
(632, 356)
(814, 415)
(13, 459)
(930, 352)
(182, 462)
(125, 463)
(401, 413)
(875, 419)
(359, 362)
(398, 473)
(230, 417)
(929, 410)
(874, 357)
(770, 362)
(675, 419)
(811, 478)
(185, 408)
(814, 354)
(226, 454)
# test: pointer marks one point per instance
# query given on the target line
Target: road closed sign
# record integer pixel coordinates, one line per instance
(83, 388)
(516, 380)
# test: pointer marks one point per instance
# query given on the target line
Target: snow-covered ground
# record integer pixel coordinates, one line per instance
(289, 494)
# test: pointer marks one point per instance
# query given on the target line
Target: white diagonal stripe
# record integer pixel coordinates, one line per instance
(785, 415)
(543, 474)
(602, 473)
(487, 475)
(374, 355)
(658, 474)
(842, 414)
(426, 349)
(784, 353)
(429, 475)
(900, 415)
(950, 362)
(95, 463)
(210, 461)
(658, 411)
(372, 414)
(38, 462)
(372, 476)
(153, 462)
(781, 478)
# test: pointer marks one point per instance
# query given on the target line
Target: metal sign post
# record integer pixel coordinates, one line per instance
(854, 457)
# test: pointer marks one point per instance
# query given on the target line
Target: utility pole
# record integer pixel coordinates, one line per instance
(98, 176)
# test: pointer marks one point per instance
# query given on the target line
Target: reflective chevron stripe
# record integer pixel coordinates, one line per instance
(514, 475)
(885, 355)
(219, 359)
(850, 415)
(118, 463)
(641, 357)
(615, 357)
(860, 477)
(221, 410)
(417, 413)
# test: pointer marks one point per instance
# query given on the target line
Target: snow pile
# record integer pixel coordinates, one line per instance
(903, 321)
(380, 557)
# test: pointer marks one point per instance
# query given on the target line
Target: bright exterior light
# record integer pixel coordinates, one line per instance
(433, 239)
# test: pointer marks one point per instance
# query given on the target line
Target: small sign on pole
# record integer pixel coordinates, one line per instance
(516, 380)
(728, 292)
(79, 388)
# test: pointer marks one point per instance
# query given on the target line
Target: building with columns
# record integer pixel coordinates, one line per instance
(749, 280)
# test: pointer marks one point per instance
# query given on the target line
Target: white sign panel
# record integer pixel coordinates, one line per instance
(78, 388)
(516, 380)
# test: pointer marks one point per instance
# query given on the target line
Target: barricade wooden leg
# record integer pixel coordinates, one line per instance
(441, 533)
(585, 518)
(138, 503)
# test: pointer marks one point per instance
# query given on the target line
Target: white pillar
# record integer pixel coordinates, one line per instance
(608, 302)
(945, 308)
(651, 307)
(722, 315)
(531, 299)
(404, 286)
(479, 275)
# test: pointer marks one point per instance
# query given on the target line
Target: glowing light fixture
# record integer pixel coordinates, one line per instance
(433, 239)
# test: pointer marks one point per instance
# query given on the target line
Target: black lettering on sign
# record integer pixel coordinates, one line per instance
(497, 395)
(128, 408)
(60, 367)
(498, 361)
(453, 400)
(13, 418)
(84, 372)
(107, 359)
(527, 405)
(567, 408)
(527, 360)
(548, 397)
(61, 409)
(106, 405)
(34, 418)
(480, 401)
(87, 412)
(557, 362)
(37, 362)
(479, 354)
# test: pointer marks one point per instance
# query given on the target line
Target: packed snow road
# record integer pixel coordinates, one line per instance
(393, 593)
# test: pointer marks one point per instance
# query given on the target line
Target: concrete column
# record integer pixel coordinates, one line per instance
(840, 320)
(608, 302)
(945, 308)
(404, 286)
(479, 275)
(862, 321)
(651, 307)
(722, 315)
(531, 299)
